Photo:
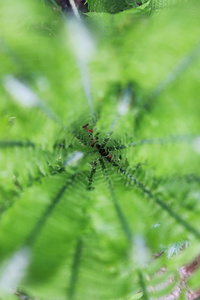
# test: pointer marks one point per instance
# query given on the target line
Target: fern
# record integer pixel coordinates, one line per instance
(110, 6)
(99, 151)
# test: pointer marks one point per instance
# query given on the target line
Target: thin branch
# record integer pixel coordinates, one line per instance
(187, 178)
(122, 218)
(143, 285)
(123, 108)
(58, 7)
(181, 66)
(164, 206)
(7, 144)
(25, 96)
(161, 141)
(93, 171)
(84, 72)
(43, 219)
(75, 269)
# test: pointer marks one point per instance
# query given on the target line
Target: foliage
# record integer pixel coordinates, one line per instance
(108, 210)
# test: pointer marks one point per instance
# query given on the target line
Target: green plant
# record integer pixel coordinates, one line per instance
(99, 198)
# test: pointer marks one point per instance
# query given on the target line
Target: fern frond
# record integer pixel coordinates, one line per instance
(99, 177)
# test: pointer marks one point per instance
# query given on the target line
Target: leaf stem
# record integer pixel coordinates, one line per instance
(43, 219)
(163, 205)
(75, 268)
(120, 213)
